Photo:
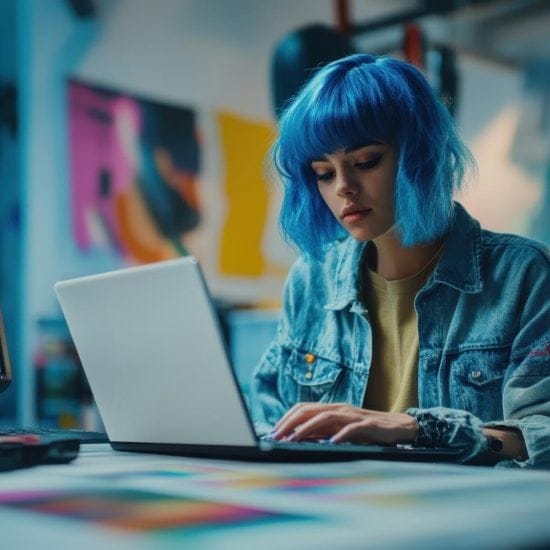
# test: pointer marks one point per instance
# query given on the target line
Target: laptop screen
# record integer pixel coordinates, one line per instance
(5, 371)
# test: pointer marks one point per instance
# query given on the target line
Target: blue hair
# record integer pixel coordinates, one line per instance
(352, 102)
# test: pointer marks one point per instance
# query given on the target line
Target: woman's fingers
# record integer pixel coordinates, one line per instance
(324, 424)
(307, 420)
(345, 423)
(295, 417)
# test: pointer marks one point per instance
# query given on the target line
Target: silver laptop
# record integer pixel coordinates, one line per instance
(152, 350)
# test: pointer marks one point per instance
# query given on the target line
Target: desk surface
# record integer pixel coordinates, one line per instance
(107, 499)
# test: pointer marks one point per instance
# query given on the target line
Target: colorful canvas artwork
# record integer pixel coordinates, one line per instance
(307, 482)
(134, 167)
(141, 510)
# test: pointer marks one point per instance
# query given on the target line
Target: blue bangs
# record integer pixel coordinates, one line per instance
(353, 102)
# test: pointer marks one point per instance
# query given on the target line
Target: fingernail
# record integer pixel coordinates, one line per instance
(274, 434)
(292, 436)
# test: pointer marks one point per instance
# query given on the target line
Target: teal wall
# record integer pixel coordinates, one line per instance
(10, 256)
(51, 41)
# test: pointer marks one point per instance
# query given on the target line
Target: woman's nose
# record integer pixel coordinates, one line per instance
(346, 186)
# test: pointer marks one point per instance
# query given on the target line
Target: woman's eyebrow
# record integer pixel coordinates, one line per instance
(362, 146)
(350, 150)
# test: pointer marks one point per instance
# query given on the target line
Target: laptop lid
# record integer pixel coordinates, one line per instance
(149, 343)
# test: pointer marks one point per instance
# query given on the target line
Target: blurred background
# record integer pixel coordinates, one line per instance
(134, 131)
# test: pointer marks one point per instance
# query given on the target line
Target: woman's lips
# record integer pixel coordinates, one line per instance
(355, 216)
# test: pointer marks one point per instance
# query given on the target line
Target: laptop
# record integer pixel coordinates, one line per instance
(150, 344)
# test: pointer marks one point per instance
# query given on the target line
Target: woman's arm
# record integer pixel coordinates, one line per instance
(341, 422)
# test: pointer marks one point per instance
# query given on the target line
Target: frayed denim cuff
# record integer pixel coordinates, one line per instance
(442, 427)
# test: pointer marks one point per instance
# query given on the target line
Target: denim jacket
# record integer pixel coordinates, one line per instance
(483, 327)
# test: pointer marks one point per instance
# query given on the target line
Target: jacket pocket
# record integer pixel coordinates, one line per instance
(478, 377)
(309, 377)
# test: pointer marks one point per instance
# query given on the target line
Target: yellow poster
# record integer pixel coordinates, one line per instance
(245, 144)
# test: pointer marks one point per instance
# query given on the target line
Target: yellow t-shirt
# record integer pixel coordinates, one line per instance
(392, 384)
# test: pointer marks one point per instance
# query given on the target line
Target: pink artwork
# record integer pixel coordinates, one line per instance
(134, 169)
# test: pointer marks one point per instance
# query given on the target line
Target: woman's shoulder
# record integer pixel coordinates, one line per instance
(467, 234)
(515, 247)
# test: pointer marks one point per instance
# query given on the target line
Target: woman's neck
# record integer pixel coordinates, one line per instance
(394, 261)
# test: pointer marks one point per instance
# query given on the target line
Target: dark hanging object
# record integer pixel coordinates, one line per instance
(85, 9)
(8, 108)
(449, 79)
(298, 55)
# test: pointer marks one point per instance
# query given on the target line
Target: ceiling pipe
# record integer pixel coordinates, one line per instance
(426, 8)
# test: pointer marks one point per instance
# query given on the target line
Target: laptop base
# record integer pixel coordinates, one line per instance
(294, 452)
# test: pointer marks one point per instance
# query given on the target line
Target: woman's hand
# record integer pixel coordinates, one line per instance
(341, 422)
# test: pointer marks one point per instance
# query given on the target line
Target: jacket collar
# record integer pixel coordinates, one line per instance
(345, 287)
(458, 267)
(460, 262)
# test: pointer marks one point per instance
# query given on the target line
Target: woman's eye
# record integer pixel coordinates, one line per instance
(324, 176)
(371, 163)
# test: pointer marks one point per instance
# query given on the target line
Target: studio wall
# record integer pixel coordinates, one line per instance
(213, 57)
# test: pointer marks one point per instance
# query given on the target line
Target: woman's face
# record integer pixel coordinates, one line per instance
(358, 186)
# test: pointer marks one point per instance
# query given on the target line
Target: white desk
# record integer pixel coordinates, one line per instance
(121, 500)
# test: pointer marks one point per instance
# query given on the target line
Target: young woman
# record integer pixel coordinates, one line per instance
(403, 320)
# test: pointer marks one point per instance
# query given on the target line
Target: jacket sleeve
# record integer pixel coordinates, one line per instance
(526, 385)
(526, 397)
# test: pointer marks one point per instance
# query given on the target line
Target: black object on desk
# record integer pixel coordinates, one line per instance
(43, 450)
(84, 436)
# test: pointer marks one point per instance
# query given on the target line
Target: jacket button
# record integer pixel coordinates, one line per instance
(476, 374)
(309, 374)
(309, 358)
